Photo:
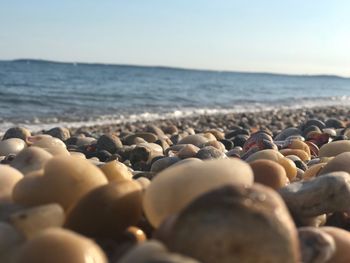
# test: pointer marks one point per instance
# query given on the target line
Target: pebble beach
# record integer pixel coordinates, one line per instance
(263, 186)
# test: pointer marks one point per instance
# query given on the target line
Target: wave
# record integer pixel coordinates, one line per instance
(44, 123)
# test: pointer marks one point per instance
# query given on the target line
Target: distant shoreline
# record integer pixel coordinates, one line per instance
(76, 63)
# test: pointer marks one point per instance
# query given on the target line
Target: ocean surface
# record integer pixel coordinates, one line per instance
(42, 94)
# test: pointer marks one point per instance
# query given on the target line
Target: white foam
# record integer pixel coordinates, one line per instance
(38, 125)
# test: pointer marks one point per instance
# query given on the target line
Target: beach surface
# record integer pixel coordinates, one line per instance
(237, 187)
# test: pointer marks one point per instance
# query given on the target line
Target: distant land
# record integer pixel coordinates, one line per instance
(29, 60)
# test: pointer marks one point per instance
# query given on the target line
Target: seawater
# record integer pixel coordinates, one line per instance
(43, 94)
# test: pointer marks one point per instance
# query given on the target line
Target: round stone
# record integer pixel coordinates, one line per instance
(316, 245)
(298, 152)
(163, 163)
(8, 179)
(11, 146)
(187, 151)
(10, 243)
(287, 133)
(269, 173)
(17, 132)
(31, 159)
(243, 225)
(342, 244)
(116, 171)
(194, 139)
(178, 185)
(59, 132)
(210, 152)
(146, 136)
(57, 245)
(313, 171)
(107, 211)
(29, 222)
(334, 123)
(109, 142)
(64, 180)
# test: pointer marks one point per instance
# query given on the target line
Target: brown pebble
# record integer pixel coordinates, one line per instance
(269, 173)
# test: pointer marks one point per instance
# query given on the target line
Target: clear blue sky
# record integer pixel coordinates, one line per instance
(291, 36)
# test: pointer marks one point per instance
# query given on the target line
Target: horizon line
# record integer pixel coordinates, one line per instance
(38, 60)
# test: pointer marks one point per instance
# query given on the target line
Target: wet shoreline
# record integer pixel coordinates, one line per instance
(275, 120)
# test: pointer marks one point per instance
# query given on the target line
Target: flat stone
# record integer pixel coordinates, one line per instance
(325, 194)
(339, 163)
(163, 163)
(210, 152)
(147, 136)
(334, 148)
(195, 139)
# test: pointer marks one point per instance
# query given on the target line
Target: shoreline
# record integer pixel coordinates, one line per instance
(274, 120)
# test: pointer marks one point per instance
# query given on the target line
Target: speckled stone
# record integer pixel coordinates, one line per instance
(244, 225)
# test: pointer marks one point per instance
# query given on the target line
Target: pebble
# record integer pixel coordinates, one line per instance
(10, 243)
(116, 171)
(339, 163)
(29, 222)
(178, 185)
(313, 171)
(314, 122)
(107, 210)
(300, 153)
(209, 152)
(56, 245)
(286, 133)
(316, 245)
(334, 123)
(187, 151)
(11, 146)
(146, 136)
(245, 224)
(324, 194)
(156, 185)
(269, 173)
(109, 142)
(194, 139)
(163, 163)
(64, 180)
(153, 251)
(58, 132)
(342, 244)
(17, 132)
(9, 177)
(31, 159)
(334, 148)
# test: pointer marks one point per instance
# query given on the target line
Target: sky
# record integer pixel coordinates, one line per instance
(290, 36)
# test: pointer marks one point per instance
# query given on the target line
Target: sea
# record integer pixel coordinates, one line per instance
(41, 94)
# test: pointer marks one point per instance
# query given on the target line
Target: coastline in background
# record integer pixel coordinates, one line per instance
(42, 94)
